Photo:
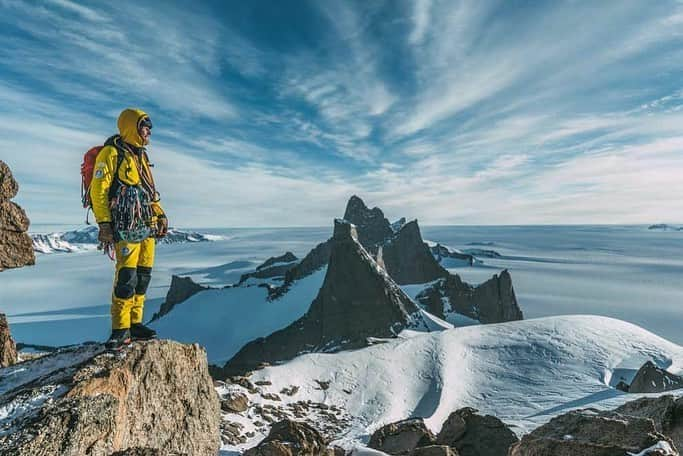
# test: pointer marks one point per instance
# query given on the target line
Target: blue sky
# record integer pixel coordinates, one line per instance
(274, 113)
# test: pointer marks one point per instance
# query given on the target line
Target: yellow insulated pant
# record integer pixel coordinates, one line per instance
(134, 261)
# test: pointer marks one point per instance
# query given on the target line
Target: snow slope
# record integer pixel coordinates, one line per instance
(523, 372)
(225, 320)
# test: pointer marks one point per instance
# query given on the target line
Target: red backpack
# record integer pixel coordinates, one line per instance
(88, 169)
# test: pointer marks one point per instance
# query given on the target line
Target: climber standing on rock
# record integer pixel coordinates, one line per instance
(126, 206)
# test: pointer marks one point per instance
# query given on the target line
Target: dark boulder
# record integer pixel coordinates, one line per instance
(587, 433)
(290, 438)
(666, 412)
(16, 246)
(435, 450)
(402, 437)
(476, 435)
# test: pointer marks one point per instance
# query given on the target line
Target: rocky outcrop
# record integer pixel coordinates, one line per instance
(587, 433)
(440, 252)
(472, 434)
(398, 224)
(154, 396)
(181, 289)
(272, 267)
(16, 246)
(291, 438)
(314, 260)
(666, 412)
(372, 227)
(8, 349)
(402, 437)
(407, 259)
(357, 300)
(652, 379)
(493, 301)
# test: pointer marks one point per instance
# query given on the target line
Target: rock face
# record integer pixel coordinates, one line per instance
(373, 228)
(475, 435)
(8, 349)
(493, 301)
(666, 412)
(586, 433)
(402, 437)
(341, 316)
(154, 396)
(290, 438)
(181, 289)
(652, 379)
(16, 246)
(407, 258)
(314, 260)
(272, 267)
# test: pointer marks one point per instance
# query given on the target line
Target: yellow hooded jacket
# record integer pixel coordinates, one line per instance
(105, 166)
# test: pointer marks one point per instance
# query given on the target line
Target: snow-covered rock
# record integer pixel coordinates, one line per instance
(357, 300)
(155, 395)
(85, 238)
(523, 372)
(451, 299)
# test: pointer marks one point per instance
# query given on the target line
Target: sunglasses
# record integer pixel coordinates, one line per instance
(145, 122)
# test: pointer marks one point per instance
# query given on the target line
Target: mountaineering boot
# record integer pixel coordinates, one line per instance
(118, 338)
(138, 331)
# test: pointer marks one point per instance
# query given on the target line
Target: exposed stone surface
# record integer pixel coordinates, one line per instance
(402, 437)
(181, 289)
(476, 435)
(314, 260)
(287, 257)
(289, 437)
(155, 395)
(8, 349)
(373, 228)
(272, 267)
(398, 224)
(16, 246)
(435, 450)
(586, 433)
(341, 316)
(440, 252)
(493, 301)
(407, 258)
(652, 379)
(666, 412)
(8, 186)
(235, 402)
(13, 217)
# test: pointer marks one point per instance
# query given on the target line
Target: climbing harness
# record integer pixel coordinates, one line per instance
(131, 213)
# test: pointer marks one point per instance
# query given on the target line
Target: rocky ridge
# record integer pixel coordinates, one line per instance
(16, 249)
(493, 301)
(341, 316)
(181, 289)
(156, 395)
(8, 349)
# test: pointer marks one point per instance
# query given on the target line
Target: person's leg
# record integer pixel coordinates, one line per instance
(144, 275)
(125, 281)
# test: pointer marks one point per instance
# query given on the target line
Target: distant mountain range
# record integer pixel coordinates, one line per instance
(85, 238)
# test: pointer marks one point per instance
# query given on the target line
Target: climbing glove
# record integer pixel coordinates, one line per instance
(106, 233)
(162, 226)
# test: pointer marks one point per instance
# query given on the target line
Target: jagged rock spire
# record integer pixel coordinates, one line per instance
(357, 300)
(373, 228)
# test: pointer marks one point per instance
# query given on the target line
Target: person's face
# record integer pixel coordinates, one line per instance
(145, 134)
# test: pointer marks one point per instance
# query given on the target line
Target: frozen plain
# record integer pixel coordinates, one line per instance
(625, 272)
